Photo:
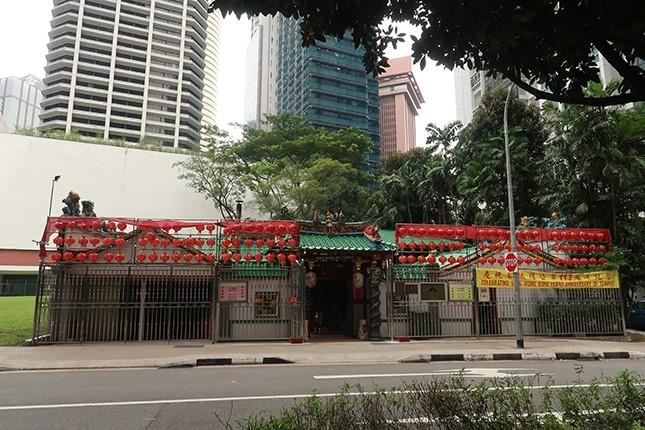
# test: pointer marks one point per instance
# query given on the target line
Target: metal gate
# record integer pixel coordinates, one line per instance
(136, 302)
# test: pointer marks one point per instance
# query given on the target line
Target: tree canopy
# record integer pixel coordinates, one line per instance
(550, 44)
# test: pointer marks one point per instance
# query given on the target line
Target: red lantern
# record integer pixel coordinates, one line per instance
(110, 226)
(119, 241)
(258, 257)
(422, 232)
(491, 260)
(593, 261)
(187, 257)
(410, 259)
(402, 259)
(210, 258)
(177, 228)
(153, 257)
(210, 227)
(432, 246)
(441, 246)
(282, 258)
(119, 257)
(270, 258)
(81, 256)
(452, 259)
(95, 241)
(248, 243)
(69, 240)
(460, 232)
(412, 231)
(199, 257)
(199, 242)
(165, 242)
(294, 229)
(237, 257)
(584, 261)
(71, 225)
(602, 260)
(189, 241)
(601, 248)
(142, 242)
(108, 257)
(108, 241)
(520, 260)
(451, 246)
(528, 260)
(175, 257)
(93, 256)
(164, 257)
(58, 240)
(442, 259)
(412, 245)
(141, 257)
(403, 231)
(150, 236)
(482, 260)
(421, 259)
(82, 241)
(422, 245)
(292, 258)
(259, 243)
(270, 243)
(292, 243)
(178, 243)
(440, 232)
(500, 260)
(282, 229)
(461, 260)
(211, 242)
(431, 259)
(122, 226)
(199, 228)
(236, 241)
(56, 256)
(247, 257)
(226, 258)
(282, 243)
(576, 261)
(59, 225)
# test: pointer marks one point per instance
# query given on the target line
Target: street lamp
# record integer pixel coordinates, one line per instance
(519, 335)
(51, 196)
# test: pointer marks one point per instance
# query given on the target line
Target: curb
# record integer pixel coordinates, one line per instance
(542, 356)
(225, 361)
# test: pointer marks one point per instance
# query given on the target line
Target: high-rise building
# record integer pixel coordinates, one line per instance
(400, 100)
(471, 85)
(128, 69)
(326, 84)
(211, 69)
(20, 101)
(261, 71)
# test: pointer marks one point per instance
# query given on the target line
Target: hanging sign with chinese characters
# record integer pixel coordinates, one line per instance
(232, 292)
(496, 278)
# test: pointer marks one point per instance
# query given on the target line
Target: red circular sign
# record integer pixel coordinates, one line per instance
(510, 262)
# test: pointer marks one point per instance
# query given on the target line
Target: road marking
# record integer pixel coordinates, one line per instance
(93, 369)
(249, 398)
(484, 372)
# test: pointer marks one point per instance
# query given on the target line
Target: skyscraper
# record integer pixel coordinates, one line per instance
(326, 84)
(400, 100)
(20, 101)
(129, 69)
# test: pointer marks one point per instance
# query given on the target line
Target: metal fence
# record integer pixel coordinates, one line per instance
(152, 302)
(552, 313)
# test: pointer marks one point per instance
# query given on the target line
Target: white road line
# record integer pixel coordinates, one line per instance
(247, 398)
(484, 372)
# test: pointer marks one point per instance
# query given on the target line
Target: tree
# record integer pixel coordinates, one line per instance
(549, 44)
(594, 173)
(297, 168)
(440, 139)
(213, 173)
(479, 161)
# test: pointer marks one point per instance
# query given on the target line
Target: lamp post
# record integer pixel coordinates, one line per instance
(51, 195)
(519, 335)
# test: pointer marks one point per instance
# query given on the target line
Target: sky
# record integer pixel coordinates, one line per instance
(24, 27)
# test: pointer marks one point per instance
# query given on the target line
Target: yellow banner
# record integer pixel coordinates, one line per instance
(499, 278)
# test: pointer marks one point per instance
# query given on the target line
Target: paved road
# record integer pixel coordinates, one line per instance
(194, 398)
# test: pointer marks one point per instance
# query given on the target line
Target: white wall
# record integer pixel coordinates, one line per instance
(120, 181)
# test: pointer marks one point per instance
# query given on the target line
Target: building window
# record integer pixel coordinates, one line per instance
(267, 304)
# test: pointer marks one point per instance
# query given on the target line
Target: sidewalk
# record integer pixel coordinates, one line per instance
(121, 355)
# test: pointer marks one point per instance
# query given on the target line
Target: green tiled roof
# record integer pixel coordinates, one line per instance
(341, 242)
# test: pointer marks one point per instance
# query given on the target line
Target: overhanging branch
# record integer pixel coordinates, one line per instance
(589, 101)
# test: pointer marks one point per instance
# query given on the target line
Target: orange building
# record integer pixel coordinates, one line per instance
(400, 99)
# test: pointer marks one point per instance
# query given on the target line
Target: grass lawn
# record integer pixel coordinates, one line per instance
(16, 318)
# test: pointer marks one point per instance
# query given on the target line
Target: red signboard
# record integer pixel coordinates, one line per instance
(232, 292)
(510, 262)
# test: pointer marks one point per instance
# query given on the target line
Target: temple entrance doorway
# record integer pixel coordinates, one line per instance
(331, 309)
